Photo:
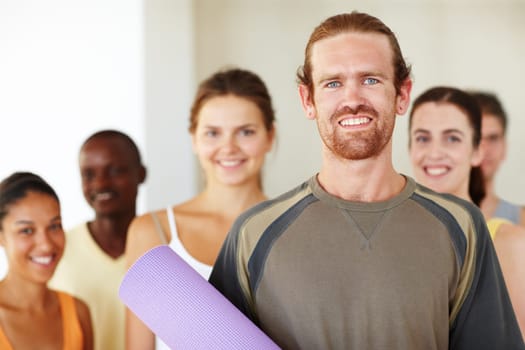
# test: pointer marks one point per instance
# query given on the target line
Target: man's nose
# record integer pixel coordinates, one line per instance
(100, 180)
(354, 95)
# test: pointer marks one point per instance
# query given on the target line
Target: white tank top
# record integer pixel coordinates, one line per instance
(203, 269)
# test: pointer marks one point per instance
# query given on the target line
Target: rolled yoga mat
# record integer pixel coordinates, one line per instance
(183, 309)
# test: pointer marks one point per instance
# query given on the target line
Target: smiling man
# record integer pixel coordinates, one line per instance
(360, 256)
(93, 264)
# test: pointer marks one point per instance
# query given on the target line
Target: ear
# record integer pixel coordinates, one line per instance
(307, 101)
(477, 156)
(143, 173)
(2, 238)
(403, 97)
(271, 137)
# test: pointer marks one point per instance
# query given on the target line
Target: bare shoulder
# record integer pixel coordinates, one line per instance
(509, 230)
(144, 221)
(511, 236)
(143, 235)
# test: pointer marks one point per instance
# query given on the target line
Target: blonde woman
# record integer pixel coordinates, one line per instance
(232, 130)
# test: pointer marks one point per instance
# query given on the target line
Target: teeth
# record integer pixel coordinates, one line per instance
(43, 260)
(435, 171)
(354, 121)
(229, 163)
(103, 196)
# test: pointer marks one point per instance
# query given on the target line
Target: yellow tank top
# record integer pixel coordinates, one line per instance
(494, 224)
(72, 331)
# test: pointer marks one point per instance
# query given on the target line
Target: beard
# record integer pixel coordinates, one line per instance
(357, 145)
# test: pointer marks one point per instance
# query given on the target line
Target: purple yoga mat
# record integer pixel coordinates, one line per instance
(183, 309)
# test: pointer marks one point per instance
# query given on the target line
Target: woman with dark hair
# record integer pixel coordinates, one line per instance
(494, 140)
(232, 130)
(445, 136)
(32, 316)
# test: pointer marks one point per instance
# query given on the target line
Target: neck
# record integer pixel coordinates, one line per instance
(110, 232)
(24, 295)
(367, 180)
(463, 195)
(490, 188)
(491, 200)
(231, 200)
(115, 226)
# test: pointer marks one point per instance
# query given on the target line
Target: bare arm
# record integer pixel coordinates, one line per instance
(84, 317)
(138, 335)
(142, 236)
(510, 248)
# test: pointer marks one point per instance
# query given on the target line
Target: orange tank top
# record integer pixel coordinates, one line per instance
(72, 331)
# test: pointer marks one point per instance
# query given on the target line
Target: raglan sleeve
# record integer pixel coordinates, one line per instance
(227, 272)
(486, 319)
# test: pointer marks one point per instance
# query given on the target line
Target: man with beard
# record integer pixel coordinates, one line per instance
(360, 256)
(93, 264)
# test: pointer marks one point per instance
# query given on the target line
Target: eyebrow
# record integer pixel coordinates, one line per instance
(425, 131)
(494, 134)
(373, 74)
(237, 127)
(23, 222)
(28, 222)
(328, 77)
(337, 76)
(446, 131)
(456, 131)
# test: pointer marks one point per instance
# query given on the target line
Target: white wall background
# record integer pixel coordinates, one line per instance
(67, 69)
(71, 67)
(169, 86)
(466, 43)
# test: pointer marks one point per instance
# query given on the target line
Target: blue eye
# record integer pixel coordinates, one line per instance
(333, 84)
(370, 81)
